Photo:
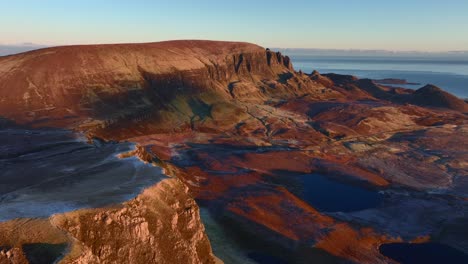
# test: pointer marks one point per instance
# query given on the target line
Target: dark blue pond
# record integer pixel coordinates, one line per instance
(262, 258)
(329, 195)
(428, 253)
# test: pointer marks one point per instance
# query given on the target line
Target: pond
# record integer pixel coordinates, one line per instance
(263, 258)
(428, 253)
(328, 195)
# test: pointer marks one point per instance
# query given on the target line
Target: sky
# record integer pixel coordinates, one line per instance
(422, 25)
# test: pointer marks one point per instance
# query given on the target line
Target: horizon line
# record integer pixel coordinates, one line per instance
(41, 45)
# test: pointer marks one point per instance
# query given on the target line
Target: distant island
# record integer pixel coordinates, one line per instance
(394, 81)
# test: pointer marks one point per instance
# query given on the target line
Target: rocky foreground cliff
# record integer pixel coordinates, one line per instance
(247, 137)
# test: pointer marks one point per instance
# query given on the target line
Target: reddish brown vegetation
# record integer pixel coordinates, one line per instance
(225, 118)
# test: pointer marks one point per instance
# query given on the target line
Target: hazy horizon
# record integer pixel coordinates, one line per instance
(246, 131)
(369, 25)
(14, 48)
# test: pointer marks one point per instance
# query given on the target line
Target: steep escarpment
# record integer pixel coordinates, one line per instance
(161, 225)
(107, 83)
(167, 86)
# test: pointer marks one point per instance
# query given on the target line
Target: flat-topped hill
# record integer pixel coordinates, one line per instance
(99, 80)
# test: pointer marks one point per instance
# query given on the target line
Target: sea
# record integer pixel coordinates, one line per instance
(448, 71)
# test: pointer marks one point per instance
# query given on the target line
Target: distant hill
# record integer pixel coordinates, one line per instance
(18, 48)
(433, 96)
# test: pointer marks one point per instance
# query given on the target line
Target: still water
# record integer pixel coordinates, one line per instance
(428, 253)
(449, 72)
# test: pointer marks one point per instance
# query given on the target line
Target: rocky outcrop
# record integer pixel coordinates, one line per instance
(12, 256)
(341, 79)
(324, 80)
(24, 241)
(161, 225)
(433, 96)
(427, 96)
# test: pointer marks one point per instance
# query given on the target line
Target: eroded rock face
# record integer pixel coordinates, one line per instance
(114, 82)
(31, 241)
(12, 256)
(162, 225)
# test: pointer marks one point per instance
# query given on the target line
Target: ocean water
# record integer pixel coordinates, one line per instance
(448, 71)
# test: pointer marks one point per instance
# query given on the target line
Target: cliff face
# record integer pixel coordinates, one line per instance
(161, 225)
(111, 82)
(176, 84)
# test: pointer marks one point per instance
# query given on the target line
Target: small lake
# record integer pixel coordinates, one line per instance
(328, 195)
(262, 258)
(237, 243)
(427, 253)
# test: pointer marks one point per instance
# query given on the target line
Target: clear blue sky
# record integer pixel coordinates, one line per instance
(359, 24)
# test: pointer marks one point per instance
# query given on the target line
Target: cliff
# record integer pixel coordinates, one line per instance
(161, 225)
(164, 80)
(177, 84)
